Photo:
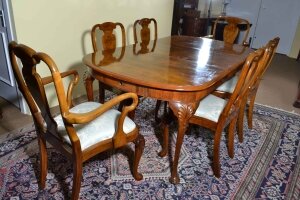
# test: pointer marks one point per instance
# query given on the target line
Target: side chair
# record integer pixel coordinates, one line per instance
(226, 89)
(231, 29)
(80, 132)
(145, 37)
(216, 113)
(109, 44)
(145, 33)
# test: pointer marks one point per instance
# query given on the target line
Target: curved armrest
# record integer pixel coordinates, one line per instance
(72, 84)
(119, 139)
(81, 118)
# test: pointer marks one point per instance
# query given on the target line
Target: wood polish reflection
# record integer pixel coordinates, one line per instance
(106, 57)
(204, 53)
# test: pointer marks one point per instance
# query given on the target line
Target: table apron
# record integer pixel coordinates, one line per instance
(145, 91)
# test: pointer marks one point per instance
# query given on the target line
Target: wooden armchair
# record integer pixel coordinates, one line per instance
(231, 30)
(227, 88)
(80, 132)
(108, 43)
(215, 113)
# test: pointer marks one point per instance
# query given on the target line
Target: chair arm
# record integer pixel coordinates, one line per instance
(81, 118)
(72, 84)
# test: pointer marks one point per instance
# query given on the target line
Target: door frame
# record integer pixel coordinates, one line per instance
(11, 35)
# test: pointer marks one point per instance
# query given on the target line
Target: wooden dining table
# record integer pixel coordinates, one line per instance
(181, 70)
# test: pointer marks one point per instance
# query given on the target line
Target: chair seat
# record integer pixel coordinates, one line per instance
(229, 85)
(211, 108)
(102, 128)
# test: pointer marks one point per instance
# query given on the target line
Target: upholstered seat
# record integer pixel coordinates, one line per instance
(211, 108)
(229, 85)
(102, 128)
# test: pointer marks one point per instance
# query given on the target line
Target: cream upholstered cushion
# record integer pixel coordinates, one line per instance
(103, 127)
(211, 107)
(229, 85)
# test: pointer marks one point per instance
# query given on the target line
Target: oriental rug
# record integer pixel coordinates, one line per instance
(265, 166)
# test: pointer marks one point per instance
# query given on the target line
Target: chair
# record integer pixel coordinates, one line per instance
(145, 36)
(227, 88)
(231, 29)
(108, 44)
(215, 113)
(80, 132)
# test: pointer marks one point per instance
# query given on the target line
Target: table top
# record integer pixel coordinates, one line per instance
(177, 63)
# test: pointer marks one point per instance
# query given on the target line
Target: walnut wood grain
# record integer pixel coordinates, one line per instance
(181, 70)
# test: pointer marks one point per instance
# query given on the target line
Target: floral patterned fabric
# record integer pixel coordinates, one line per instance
(265, 166)
(102, 128)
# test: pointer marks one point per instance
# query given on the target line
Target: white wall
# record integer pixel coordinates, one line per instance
(61, 28)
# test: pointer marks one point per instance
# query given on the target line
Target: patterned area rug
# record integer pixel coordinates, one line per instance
(265, 166)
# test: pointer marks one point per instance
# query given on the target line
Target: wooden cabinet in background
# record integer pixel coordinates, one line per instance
(180, 7)
(194, 26)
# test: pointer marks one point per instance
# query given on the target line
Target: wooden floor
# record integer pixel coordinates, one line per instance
(278, 89)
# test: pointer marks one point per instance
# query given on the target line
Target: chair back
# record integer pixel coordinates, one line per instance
(269, 53)
(246, 78)
(31, 85)
(109, 40)
(145, 33)
(231, 29)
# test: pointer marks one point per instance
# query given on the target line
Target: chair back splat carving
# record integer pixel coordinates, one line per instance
(108, 40)
(109, 44)
(145, 33)
(80, 131)
(231, 30)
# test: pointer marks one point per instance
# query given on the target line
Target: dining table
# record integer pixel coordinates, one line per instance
(180, 70)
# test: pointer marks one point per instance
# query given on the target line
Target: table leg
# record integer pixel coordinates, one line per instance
(88, 82)
(183, 112)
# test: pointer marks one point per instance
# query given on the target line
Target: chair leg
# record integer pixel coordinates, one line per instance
(231, 131)
(77, 174)
(165, 142)
(216, 152)
(250, 110)
(101, 93)
(241, 120)
(139, 148)
(43, 161)
(157, 106)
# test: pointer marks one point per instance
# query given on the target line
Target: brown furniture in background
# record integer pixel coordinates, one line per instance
(181, 70)
(71, 133)
(179, 9)
(193, 24)
(108, 43)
